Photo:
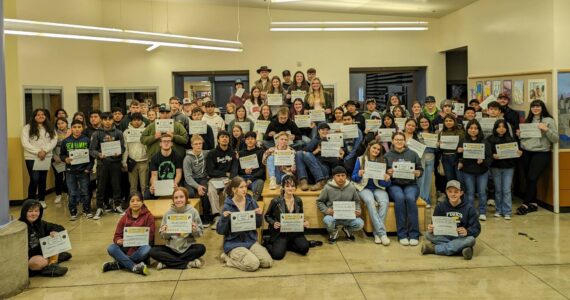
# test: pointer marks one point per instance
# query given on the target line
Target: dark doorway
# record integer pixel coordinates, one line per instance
(456, 74)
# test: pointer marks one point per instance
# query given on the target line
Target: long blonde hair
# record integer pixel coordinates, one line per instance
(312, 95)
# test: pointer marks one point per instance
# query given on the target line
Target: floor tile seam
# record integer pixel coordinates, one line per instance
(431, 270)
(351, 272)
(97, 284)
(545, 282)
(176, 286)
(501, 253)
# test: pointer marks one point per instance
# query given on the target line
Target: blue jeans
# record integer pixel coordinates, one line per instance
(406, 211)
(304, 159)
(450, 167)
(425, 181)
(377, 203)
(273, 170)
(78, 189)
(351, 225)
(256, 186)
(449, 245)
(479, 183)
(503, 179)
(128, 262)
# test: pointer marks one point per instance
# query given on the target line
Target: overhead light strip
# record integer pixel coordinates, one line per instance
(315, 29)
(353, 23)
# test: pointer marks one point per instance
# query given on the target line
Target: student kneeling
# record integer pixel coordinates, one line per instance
(468, 227)
(287, 203)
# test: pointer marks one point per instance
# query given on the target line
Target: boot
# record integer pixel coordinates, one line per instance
(303, 185)
(319, 185)
(427, 248)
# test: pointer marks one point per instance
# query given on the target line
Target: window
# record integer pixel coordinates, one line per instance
(89, 99)
(47, 98)
(122, 97)
(218, 85)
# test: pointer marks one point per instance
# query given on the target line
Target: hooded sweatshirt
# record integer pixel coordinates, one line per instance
(194, 167)
(258, 173)
(134, 150)
(33, 145)
(72, 143)
(180, 242)
(277, 127)
(38, 229)
(144, 219)
(464, 214)
(405, 156)
(470, 166)
(219, 162)
(495, 140)
(237, 239)
(101, 136)
(332, 192)
(544, 143)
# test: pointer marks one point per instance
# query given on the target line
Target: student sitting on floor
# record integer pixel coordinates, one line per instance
(31, 214)
(468, 227)
(181, 250)
(131, 258)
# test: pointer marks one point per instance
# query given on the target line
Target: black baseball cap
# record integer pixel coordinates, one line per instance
(430, 99)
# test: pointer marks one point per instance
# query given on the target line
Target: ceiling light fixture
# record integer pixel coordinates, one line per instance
(350, 26)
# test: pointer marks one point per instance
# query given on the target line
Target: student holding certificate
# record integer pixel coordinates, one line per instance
(241, 249)
(151, 137)
(282, 123)
(253, 104)
(208, 137)
(370, 108)
(298, 109)
(439, 120)
(275, 171)
(196, 177)
(387, 123)
(317, 99)
(299, 84)
(404, 191)
(336, 117)
(237, 142)
(31, 214)
(165, 165)
(181, 250)
(475, 171)
(536, 152)
(62, 131)
(265, 115)
(276, 90)
(38, 141)
(357, 117)
(465, 229)
(395, 101)
(219, 164)
(449, 157)
(373, 191)
(212, 118)
(351, 145)
(250, 165)
(131, 258)
(242, 117)
(135, 158)
(428, 161)
(287, 203)
(236, 99)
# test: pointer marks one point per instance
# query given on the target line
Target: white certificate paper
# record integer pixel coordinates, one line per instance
(179, 223)
(372, 125)
(133, 135)
(335, 127)
(109, 149)
(449, 142)
(274, 99)
(198, 127)
(292, 223)
(164, 187)
(298, 94)
(487, 125)
(458, 108)
(317, 115)
(284, 157)
(245, 126)
(239, 92)
(59, 167)
(404, 170)
(344, 210)
(164, 125)
(55, 245)
(444, 226)
(474, 150)
(79, 156)
(229, 118)
(303, 121)
(41, 165)
(249, 162)
(385, 134)
(335, 137)
(242, 221)
(430, 139)
(530, 131)
(330, 148)
(417, 147)
(261, 126)
(349, 131)
(135, 236)
(507, 150)
(401, 123)
(219, 183)
(374, 170)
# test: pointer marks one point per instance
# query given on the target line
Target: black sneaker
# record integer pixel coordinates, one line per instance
(64, 256)
(333, 236)
(532, 208)
(348, 234)
(53, 270)
(110, 266)
(467, 253)
(521, 211)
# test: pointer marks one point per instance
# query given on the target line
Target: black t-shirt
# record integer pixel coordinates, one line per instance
(166, 166)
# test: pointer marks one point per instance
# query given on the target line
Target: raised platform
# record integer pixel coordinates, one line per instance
(159, 207)
(391, 217)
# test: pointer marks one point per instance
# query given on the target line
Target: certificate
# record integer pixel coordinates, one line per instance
(444, 226)
(487, 125)
(374, 170)
(242, 221)
(349, 131)
(337, 137)
(55, 245)
(133, 135)
(430, 139)
(198, 127)
(474, 150)
(179, 223)
(298, 95)
(219, 183)
(335, 127)
(303, 121)
(372, 125)
(458, 108)
(79, 156)
(284, 157)
(164, 187)
(507, 150)
(249, 162)
(530, 131)
(292, 223)
(400, 122)
(404, 170)
(330, 149)
(164, 125)
(59, 167)
(239, 92)
(344, 210)
(229, 118)
(317, 115)
(385, 134)
(449, 142)
(261, 126)
(417, 147)
(111, 148)
(478, 115)
(135, 236)
(245, 126)
(275, 99)
(42, 165)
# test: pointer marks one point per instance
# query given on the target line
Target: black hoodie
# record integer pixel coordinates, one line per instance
(277, 127)
(101, 136)
(219, 162)
(464, 214)
(258, 173)
(37, 230)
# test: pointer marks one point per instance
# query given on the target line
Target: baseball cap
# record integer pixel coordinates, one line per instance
(430, 99)
(164, 108)
(454, 184)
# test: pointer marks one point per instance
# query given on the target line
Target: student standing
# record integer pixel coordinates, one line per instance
(196, 177)
(135, 158)
(62, 131)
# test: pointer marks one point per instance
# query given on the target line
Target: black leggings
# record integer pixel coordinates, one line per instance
(296, 243)
(37, 185)
(174, 260)
(534, 165)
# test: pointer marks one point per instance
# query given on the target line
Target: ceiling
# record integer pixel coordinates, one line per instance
(403, 8)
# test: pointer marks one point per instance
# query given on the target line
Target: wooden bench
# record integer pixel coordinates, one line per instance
(159, 207)
(391, 217)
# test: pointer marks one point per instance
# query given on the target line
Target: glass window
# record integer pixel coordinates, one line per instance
(46, 98)
(89, 99)
(122, 97)
(218, 86)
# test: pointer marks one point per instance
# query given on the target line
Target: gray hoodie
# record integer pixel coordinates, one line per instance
(180, 242)
(332, 192)
(543, 144)
(194, 167)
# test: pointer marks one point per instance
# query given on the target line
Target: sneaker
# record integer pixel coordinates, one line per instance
(110, 266)
(224, 257)
(197, 264)
(377, 239)
(333, 236)
(385, 240)
(63, 257)
(404, 242)
(427, 248)
(482, 218)
(73, 217)
(497, 215)
(414, 242)
(57, 199)
(319, 185)
(507, 217)
(140, 268)
(522, 210)
(428, 206)
(467, 253)
(491, 202)
(89, 215)
(44, 206)
(214, 223)
(272, 183)
(532, 208)
(348, 234)
(119, 210)
(98, 214)
(53, 270)
(206, 224)
(160, 266)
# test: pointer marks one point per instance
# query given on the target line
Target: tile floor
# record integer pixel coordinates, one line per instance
(506, 265)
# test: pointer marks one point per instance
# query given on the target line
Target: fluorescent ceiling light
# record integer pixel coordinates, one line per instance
(284, 1)
(50, 24)
(152, 47)
(183, 37)
(314, 29)
(354, 23)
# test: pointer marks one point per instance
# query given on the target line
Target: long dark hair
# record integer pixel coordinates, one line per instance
(430, 128)
(304, 85)
(286, 180)
(235, 143)
(34, 126)
(480, 136)
(388, 115)
(234, 183)
(543, 113)
(259, 101)
(415, 133)
(293, 113)
(495, 138)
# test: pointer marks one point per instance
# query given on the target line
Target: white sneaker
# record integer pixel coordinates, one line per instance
(482, 218)
(214, 224)
(404, 242)
(197, 264)
(377, 239)
(57, 199)
(43, 204)
(98, 214)
(160, 266)
(385, 240)
(507, 217)
(414, 242)
(491, 202)
(497, 215)
(272, 183)
(428, 206)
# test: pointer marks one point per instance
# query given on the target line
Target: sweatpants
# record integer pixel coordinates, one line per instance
(249, 259)
(214, 198)
(288, 242)
(175, 260)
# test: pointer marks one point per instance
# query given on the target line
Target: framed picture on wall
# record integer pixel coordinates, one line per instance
(330, 89)
(479, 90)
(508, 87)
(487, 91)
(564, 110)
(537, 90)
(518, 92)
(497, 88)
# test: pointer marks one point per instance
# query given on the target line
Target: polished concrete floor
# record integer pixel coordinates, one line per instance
(506, 265)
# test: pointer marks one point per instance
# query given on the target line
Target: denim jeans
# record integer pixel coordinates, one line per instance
(425, 181)
(476, 183)
(377, 204)
(450, 167)
(273, 170)
(503, 197)
(305, 159)
(78, 189)
(449, 245)
(37, 185)
(351, 225)
(406, 211)
(128, 262)
(256, 186)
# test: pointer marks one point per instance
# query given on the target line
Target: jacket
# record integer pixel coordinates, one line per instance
(470, 166)
(181, 118)
(194, 167)
(219, 162)
(277, 127)
(72, 143)
(126, 121)
(33, 145)
(145, 219)
(351, 146)
(37, 230)
(274, 211)
(153, 144)
(180, 242)
(464, 214)
(100, 136)
(258, 173)
(405, 156)
(456, 131)
(544, 143)
(215, 121)
(134, 150)
(332, 192)
(237, 239)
